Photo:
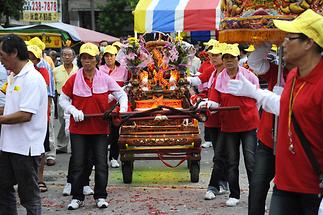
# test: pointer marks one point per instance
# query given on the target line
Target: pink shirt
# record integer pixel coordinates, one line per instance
(119, 73)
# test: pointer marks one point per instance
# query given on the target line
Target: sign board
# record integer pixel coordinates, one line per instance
(52, 40)
(41, 11)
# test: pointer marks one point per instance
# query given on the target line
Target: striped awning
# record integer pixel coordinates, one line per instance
(176, 15)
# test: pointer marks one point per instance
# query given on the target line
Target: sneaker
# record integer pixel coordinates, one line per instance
(207, 144)
(75, 204)
(87, 190)
(67, 189)
(232, 202)
(101, 203)
(114, 163)
(50, 161)
(209, 195)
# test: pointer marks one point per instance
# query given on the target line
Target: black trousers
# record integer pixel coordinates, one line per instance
(231, 143)
(21, 170)
(219, 171)
(263, 173)
(207, 136)
(87, 170)
(113, 141)
(284, 202)
(81, 145)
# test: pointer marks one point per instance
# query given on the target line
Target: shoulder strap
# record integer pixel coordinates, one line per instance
(306, 145)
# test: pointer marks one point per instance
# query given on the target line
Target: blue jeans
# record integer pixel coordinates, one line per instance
(263, 173)
(81, 145)
(284, 202)
(21, 170)
(231, 143)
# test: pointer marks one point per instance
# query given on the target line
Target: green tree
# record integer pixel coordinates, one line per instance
(116, 17)
(11, 8)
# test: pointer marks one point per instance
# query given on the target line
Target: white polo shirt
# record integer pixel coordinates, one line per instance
(26, 92)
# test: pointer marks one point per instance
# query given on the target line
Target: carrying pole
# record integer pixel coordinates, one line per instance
(279, 83)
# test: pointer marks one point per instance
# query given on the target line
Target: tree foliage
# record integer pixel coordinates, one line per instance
(116, 18)
(11, 8)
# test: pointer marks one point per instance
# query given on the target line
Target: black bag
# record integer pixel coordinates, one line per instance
(307, 148)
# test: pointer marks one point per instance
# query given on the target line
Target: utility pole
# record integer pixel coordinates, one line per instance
(65, 11)
(92, 15)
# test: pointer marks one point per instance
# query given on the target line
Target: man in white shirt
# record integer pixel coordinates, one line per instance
(24, 124)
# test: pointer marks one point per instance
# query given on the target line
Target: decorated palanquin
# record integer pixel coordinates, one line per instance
(251, 21)
(162, 125)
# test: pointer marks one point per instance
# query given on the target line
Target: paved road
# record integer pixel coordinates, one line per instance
(156, 189)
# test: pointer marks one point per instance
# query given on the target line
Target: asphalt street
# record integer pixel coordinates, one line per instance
(155, 190)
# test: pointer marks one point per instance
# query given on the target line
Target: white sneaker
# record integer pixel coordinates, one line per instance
(67, 189)
(232, 202)
(101, 203)
(209, 195)
(114, 163)
(207, 144)
(87, 190)
(75, 204)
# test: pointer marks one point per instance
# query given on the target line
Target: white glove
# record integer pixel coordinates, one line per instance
(278, 90)
(202, 104)
(189, 80)
(67, 127)
(78, 115)
(111, 98)
(126, 86)
(242, 87)
(194, 81)
(208, 104)
(267, 99)
(212, 104)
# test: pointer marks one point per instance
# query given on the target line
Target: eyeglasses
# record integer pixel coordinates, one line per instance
(291, 38)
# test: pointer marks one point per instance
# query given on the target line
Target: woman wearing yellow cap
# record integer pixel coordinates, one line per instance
(86, 92)
(236, 126)
(120, 74)
(218, 181)
(35, 55)
(300, 108)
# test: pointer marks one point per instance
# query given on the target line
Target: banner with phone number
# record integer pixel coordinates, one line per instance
(41, 11)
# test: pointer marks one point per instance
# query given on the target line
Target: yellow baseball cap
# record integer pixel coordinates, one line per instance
(35, 50)
(110, 49)
(274, 48)
(251, 48)
(89, 48)
(117, 44)
(232, 49)
(308, 23)
(217, 48)
(211, 42)
(36, 41)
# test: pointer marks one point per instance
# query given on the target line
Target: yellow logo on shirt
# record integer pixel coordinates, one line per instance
(17, 88)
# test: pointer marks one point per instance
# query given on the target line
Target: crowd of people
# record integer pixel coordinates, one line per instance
(81, 86)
